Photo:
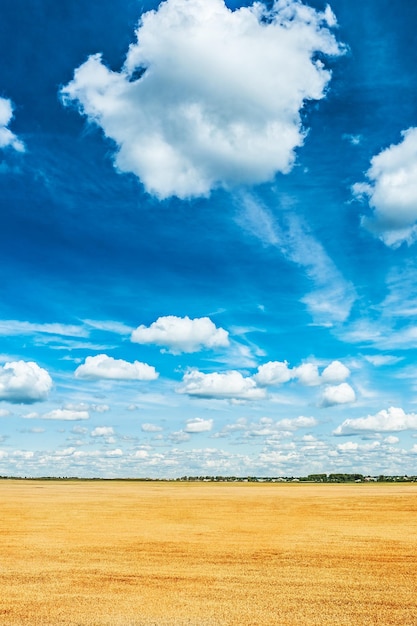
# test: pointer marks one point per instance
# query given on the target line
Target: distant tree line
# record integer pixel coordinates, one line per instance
(311, 478)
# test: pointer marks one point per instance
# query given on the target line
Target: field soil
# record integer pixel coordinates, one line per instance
(207, 554)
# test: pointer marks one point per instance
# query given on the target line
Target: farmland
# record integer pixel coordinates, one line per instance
(98, 553)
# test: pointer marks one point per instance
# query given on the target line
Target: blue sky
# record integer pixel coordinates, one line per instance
(208, 237)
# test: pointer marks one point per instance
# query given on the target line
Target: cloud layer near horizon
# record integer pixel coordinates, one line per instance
(207, 96)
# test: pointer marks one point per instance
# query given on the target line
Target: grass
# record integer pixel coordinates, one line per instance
(207, 554)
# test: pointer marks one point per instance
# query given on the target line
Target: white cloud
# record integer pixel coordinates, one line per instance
(229, 385)
(383, 359)
(7, 138)
(296, 423)
(198, 425)
(308, 374)
(114, 453)
(102, 431)
(182, 334)
(220, 98)
(391, 440)
(151, 428)
(100, 408)
(349, 446)
(24, 382)
(338, 394)
(105, 367)
(392, 192)
(141, 454)
(67, 415)
(17, 327)
(4, 413)
(392, 420)
(278, 372)
(109, 326)
(273, 373)
(335, 373)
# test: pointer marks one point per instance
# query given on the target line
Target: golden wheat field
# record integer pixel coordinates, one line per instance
(207, 554)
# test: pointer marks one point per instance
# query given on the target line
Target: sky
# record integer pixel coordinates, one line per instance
(208, 238)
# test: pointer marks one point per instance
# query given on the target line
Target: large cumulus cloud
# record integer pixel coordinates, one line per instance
(208, 96)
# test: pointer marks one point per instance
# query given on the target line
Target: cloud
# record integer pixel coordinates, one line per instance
(182, 334)
(67, 415)
(208, 96)
(308, 374)
(296, 423)
(338, 394)
(105, 367)
(24, 382)
(7, 138)
(229, 385)
(332, 297)
(278, 372)
(16, 327)
(392, 192)
(391, 420)
(151, 428)
(383, 359)
(102, 431)
(273, 373)
(198, 425)
(336, 372)
(109, 326)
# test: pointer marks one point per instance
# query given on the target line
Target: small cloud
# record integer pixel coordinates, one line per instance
(335, 373)
(273, 373)
(229, 385)
(105, 367)
(60, 414)
(7, 138)
(141, 454)
(308, 374)
(151, 428)
(114, 453)
(179, 436)
(383, 359)
(102, 431)
(392, 420)
(100, 408)
(296, 423)
(349, 446)
(182, 334)
(198, 425)
(338, 394)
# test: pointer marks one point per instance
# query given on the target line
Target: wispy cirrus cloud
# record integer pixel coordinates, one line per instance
(332, 297)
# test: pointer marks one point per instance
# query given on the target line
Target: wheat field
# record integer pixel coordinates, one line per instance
(207, 554)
